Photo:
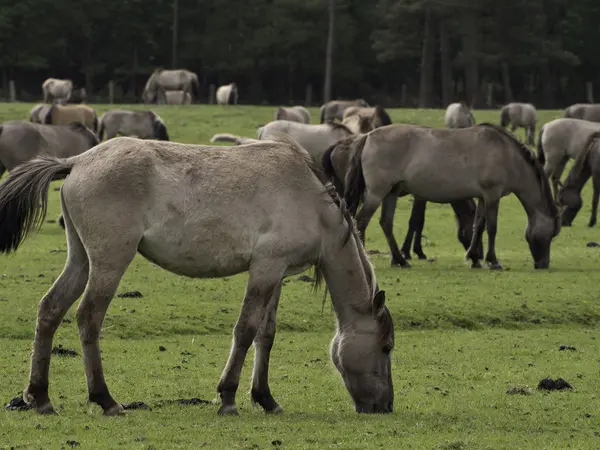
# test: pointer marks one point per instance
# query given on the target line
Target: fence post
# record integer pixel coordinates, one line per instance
(589, 91)
(111, 92)
(12, 92)
(211, 94)
(308, 97)
(403, 99)
(489, 99)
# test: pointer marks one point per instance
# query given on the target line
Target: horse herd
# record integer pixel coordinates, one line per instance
(274, 206)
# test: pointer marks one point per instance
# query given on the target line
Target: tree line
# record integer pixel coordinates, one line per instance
(424, 53)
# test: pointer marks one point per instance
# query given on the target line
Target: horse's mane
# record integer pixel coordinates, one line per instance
(581, 159)
(339, 126)
(531, 159)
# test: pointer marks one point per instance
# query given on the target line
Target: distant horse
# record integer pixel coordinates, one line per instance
(39, 112)
(335, 164)
(520, 115)
(587, 164)
(227, 94)
(175, 98)
(78, 96)
(260, 208)
(228, 137)
(65, 114)
(382, 118)
(584, 111)
(335, 109)
(445, 165)
(459, 115)
(295, 114)
(140, 124)
(315, 139)
(558, 141)
(163, 80)
(57, 91)
(21, 141)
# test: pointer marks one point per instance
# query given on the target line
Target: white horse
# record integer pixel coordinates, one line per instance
(57, 91)
(227, 94)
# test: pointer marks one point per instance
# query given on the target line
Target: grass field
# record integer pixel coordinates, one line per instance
(463, 337)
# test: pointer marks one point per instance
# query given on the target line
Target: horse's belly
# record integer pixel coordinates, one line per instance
(441, 190)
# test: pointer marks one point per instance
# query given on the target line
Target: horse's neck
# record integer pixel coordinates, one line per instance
(345, 274)
(533, 199)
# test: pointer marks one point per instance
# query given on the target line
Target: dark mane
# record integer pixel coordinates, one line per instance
(531, 159)
(336, 126)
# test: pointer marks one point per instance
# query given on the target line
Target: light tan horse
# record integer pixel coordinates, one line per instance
(445, 165)
(163, 80)
(175, 98)
(584, 111)
(295, 114)
(377, 114)
(227, 94)
(57, 90)
(260, 208)
(520, 115)
(335, 109)
(459, 115)
(65, 114)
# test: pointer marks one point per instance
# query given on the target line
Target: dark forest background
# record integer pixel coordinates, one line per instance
(424, 53)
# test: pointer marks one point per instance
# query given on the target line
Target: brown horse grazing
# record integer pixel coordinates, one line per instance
(586, 165)
(246, 226)
(335, 164)
(445, 165)
(66, 114)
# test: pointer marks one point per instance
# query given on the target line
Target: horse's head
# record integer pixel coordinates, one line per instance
(362, 356)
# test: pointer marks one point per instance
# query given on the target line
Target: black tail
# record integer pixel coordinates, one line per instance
(195, 89)
(540, 148)
(330, 170)
(323, 114)
(95, 125)
(24, 198)
(504, 119)
(355, 180)
(383, 116)
(48, 119)
(101, 129)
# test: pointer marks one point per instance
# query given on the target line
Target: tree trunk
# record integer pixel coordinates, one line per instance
(508, 95)
(427, 63)
(471, 60)
(175, 31)
(446, 63)
(329, 53)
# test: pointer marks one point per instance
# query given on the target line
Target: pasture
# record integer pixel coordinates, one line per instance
(463, 338)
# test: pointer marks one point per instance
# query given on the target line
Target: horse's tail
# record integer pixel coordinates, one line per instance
(24, 198)
(540, 148)
(95, 124)
(330, 170)
(48, 118)
(195, 88)
(383, 116)
(581, 160)
(355, 179)
(504, 119)
(101, 128)
(323, 114)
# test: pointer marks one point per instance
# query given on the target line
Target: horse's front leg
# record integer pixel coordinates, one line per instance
(263, 342)
(595, 198)
(473, 253)
(388, 209)
(491, 209)
(259, 291)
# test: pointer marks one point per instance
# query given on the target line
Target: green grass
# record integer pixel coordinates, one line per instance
(463, 338)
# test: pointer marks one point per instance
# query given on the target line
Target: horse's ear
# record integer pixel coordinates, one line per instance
(378, 302)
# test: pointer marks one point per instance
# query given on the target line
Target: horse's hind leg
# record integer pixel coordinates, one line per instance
(416, 223)
(64, 292)
(595, 198)
(262, 285)
(473, 252)
(263, 342)
(491, 210)
(388, 208)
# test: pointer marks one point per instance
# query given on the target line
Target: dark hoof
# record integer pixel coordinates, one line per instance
(495, 266)
(115, 410)
(404, 264)
(476, 265)
(406, 255)
(422, 256)
(592, 224)
(228, 410)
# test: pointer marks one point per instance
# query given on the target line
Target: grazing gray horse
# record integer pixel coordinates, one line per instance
(175, 98)
(39, 112)
(57, 91)
(335, 109)
(521, 115)
(584, 111)
(163, 80)
(379, 115)
(140, 124)
(587, 164)
(444, 165)
(459, 115)
(558, 141)
(21, 141)
(316, 139)
(295, 114)
(227, 94)
(335, 164)
(248, 204)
